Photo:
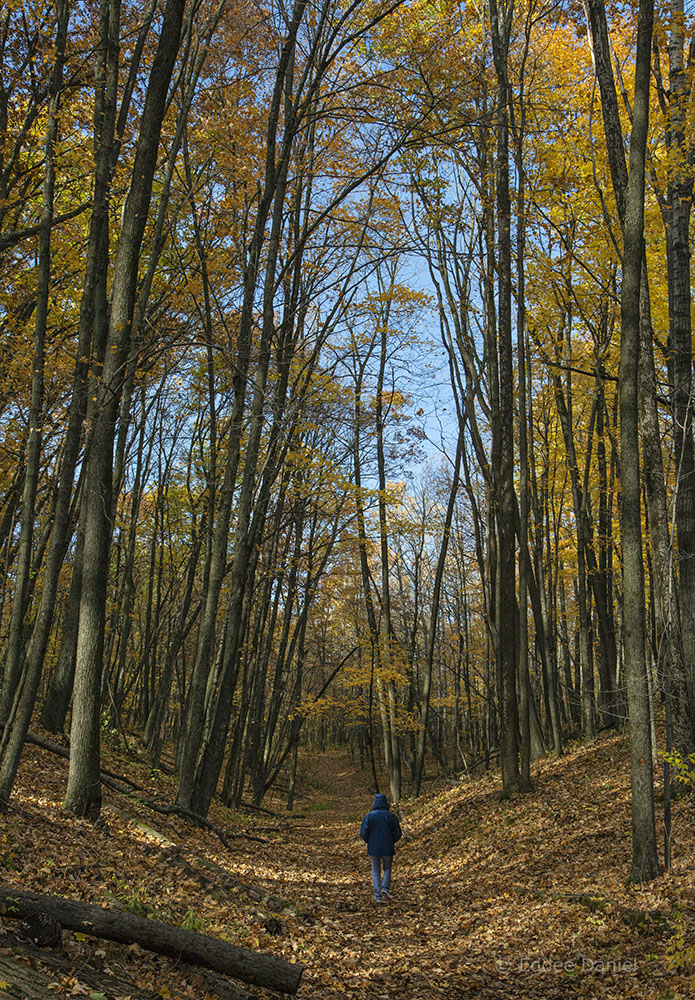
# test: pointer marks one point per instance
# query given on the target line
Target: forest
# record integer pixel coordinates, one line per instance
(346, 393)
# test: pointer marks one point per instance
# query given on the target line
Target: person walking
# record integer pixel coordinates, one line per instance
(381, 831)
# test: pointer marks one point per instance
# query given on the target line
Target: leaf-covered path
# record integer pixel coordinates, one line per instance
(513, 900)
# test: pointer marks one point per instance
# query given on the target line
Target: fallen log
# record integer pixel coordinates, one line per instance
(233, 885)
(45, 744)
(197, 820)
(51, 968)
(118, 783)
(18, 979)
(215, 986)
(253, 967)
(110, 985)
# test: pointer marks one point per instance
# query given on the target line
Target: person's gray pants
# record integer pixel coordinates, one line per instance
(380, 881)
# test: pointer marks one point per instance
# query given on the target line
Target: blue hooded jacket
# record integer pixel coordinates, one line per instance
(380, 829)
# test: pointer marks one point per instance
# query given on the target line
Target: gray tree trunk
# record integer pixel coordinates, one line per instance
(18, 700)
(503, 412)
(83, 794)
(644, 855)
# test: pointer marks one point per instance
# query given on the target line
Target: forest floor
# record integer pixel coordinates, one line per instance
(515, 900)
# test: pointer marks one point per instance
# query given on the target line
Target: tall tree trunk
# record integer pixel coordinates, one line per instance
(246, 531)
(505, 501)
(525, 695)
(389, 646)
(375, 647)
(677, 218)
(275, 175)
(91, 345)
(83, 795)
(644, 856)
(434, 614)
(18, 700)
(644, 838)
(670, 655)
(583, 545)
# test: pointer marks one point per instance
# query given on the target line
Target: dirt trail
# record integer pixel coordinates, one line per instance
(324, 862)
(358, 948)
(489, 896)
(485, 895)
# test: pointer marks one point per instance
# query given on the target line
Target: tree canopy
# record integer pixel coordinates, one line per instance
(346, 388)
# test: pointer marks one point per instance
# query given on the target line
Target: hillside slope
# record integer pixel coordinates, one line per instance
(519, 899)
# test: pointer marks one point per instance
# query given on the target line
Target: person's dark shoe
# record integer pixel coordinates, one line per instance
(385, 894)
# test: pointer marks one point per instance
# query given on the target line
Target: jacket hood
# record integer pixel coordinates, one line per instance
(380, 802)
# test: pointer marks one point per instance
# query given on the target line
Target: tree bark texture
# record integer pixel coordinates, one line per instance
(670, 654)
(267, 971)
(18, 698)
(83, 794)
(677, 217)
(503, 412)
(644, 855)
